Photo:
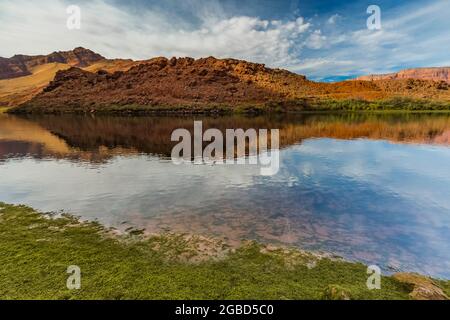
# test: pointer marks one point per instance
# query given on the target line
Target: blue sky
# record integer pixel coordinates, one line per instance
(325, 40)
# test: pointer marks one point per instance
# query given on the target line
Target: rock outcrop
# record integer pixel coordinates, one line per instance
(171, 82)
(187, 85)
(423, 288)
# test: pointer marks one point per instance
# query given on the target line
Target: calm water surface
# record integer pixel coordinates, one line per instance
(371, 188)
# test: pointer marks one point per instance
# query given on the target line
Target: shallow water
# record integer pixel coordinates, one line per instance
(371, 188)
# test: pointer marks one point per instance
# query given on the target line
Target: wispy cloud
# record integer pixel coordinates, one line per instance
(334, 44)
(39, 27)
(412, 35)
(333, 19)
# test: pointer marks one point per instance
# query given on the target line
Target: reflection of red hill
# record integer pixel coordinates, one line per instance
(19, 148)
(97, 139)
(20, 137)
(443, 138)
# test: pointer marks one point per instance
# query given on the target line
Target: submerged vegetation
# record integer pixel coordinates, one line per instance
(38, 248)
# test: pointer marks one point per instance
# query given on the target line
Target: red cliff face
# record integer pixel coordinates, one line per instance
(434, 74)
(20, 65)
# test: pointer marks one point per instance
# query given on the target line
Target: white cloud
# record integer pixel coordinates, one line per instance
(39, 27)
(333, 19)
(322, 66)
(413, 34)
(316, 40)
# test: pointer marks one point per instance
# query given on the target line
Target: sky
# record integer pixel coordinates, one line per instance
(322, 39)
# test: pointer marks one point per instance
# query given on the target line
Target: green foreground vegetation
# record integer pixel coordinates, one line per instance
(348, 105)
(36, 250)
(400, 104)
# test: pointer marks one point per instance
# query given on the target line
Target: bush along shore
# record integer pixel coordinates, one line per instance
(399, 104)
(37, 250)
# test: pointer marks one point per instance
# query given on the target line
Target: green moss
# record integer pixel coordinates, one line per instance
(37, 249)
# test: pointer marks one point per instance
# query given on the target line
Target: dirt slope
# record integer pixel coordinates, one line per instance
(18, 90)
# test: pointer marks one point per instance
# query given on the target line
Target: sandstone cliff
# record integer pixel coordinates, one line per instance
(434, 74)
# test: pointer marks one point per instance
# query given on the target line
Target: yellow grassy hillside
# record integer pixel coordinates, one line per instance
(18, 90)
(112, 66)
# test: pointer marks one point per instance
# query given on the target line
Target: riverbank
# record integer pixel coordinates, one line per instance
(38, 248)
(273, 107)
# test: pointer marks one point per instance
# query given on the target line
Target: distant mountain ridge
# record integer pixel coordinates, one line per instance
(22, 76)
(21, 65)
(83, 81)
(433, 74)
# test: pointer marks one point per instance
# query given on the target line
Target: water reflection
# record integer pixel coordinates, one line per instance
(384, 199)
(99, 138)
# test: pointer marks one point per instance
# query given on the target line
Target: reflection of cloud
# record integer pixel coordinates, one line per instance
(411, 171)
(391, 205)
(119, 183)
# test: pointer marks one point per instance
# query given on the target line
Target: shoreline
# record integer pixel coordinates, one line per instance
(175, 113)
(394, 105)
(37, 248)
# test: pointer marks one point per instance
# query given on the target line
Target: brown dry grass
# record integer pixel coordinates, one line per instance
(112, 66)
